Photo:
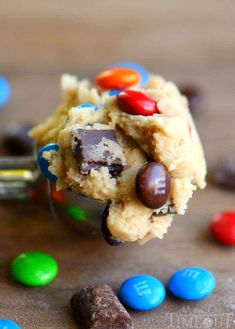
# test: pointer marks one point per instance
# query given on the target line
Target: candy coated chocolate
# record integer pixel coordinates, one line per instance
(43, 163)
(223, 174)
(222, 227)
(5, 91)
(97, 307)
(136, 103)
(16, 139)
(87, 106)
(105, 231)
(192, 283)
(153, 185)
(117, 78)
(76, 213)
(8, 324)
(34, 268)
(92, 151)
(138, 68)
(142, 292)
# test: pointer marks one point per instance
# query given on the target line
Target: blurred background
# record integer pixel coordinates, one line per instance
(185, 41)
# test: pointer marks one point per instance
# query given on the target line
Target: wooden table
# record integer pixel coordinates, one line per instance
(186, 42)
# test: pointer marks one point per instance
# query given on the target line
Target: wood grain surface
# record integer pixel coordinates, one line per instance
(186, 41)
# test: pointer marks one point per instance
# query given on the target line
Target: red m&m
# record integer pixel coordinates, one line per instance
(137, 103)
(117, 78)
(222, 227)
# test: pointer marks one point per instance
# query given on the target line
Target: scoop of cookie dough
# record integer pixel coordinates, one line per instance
(103, 148)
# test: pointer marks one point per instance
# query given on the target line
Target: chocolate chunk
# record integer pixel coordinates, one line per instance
(195, 99)
(223, 173)
(105, 230)
(153, 184)
(97, 148)
(16, 140)
(97, 307)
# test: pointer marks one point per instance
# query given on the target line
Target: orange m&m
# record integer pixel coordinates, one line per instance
(117, 78)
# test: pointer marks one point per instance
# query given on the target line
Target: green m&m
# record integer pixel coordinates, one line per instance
(34, 268)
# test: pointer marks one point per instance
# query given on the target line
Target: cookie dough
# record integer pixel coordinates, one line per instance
(104, 164)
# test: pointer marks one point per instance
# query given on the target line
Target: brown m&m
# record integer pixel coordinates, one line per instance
(153, 185)
(223, 174)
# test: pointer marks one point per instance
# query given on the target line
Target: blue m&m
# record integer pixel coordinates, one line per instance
(5, 91)
(142, 292)
(8, 324)
(192, 283)
(43, 163)
(87, 106)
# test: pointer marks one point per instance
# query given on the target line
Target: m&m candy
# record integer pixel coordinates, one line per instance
(34, 268)
(222, 227)
(117, 78)
(153, 185)
(114, 92)
(87, 106)
(192, 283)
(136, 103)
(76, 213)
(8, 324)
(43, 163)
(5, 91)
(142, 292)
(144, 75)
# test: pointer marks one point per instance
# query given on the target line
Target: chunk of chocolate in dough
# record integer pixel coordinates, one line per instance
(96, 148)
(97, 307)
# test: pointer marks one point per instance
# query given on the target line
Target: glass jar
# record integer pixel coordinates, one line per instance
(20, 179)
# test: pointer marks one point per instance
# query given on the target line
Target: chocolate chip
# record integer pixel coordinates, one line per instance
(223, 174)
(105, 231)
(97, 307)
(195, 99)
(16, 140)
(153, 184)
(96, 148)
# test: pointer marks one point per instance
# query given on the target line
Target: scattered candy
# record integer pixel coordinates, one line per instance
(195, 99)
(43, 163)
(142, 292)
(224, 172)
(153, 185)
(5, 91)
(105, 231)
(136, 103)
(98, 307)
(222, 227)
(34, 268)
(117, 78)
(8, 324)
(16, 139)
(138, 68)
(192, 283)
(87, 106)
(56, 195)
(104, 140)
(76, 213)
